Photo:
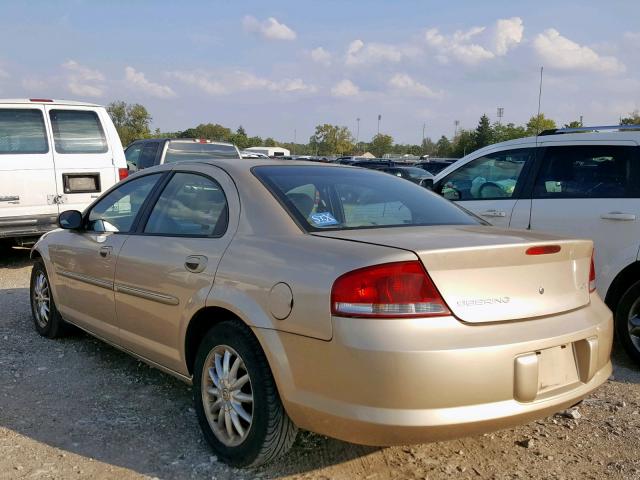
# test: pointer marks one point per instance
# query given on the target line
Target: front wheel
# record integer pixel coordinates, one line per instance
(46, 318)
(236, 400)
(627, 320)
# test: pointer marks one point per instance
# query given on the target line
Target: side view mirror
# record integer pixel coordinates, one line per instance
(70, 220)
(427, 183)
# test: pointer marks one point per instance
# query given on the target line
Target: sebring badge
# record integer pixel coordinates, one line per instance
(477, 302)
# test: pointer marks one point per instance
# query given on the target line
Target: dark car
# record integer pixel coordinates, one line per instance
(156, 151)
(413, 174)
(434, 166)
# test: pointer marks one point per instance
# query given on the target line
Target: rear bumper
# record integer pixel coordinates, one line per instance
(388, 382)
(27, 226)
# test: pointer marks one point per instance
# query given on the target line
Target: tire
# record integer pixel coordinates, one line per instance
(629, 305)
(50, 325)
(270, 432)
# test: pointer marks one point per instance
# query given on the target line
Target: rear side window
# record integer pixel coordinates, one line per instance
(593, 171)
(77, 131)
(185, 151)
(22, 131)
(340, 198)
(148, 156)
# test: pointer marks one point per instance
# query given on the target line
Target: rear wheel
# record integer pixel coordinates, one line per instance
(46, 318)
(236, 399)
(627, 319)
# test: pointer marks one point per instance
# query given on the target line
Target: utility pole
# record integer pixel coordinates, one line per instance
(500, 115)
(581, 124)
(358, 134)
(379, 118)
(424, 126)
(455, 130)
(294, 142)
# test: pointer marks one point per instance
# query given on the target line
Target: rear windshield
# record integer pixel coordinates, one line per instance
(185, 151)
(22, 131)
(338, 198)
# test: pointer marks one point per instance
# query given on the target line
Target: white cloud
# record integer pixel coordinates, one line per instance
(3, 73)
(406, 84)
(84, 81)
(476, 44)
(32, 84)
(508, 34)
(139, 80)
(225, 83)
(359, 53)
(270, 28)
(345, 88)
(559, 52)
(320, 55)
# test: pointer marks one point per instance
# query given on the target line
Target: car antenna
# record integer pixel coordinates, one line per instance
(537, 133)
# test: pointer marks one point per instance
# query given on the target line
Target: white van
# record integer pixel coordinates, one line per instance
(55, 155)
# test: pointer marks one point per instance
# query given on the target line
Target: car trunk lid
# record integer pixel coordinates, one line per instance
(486, 275)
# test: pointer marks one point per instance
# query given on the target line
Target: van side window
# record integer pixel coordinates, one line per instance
(22, 131)
(589, 171)
(77, 131)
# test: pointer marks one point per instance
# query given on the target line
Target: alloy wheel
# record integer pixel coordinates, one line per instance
(227, 395)
(41, 299)
(633, 324)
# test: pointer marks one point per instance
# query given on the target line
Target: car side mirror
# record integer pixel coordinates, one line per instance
(70, 220)
(427, 183)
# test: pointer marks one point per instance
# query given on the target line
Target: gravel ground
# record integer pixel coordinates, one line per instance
(77, 408)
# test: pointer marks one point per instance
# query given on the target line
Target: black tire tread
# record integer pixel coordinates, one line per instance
(621, 319)
(57, 327)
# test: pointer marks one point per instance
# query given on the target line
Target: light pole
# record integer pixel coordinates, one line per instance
(294, 142)
(379, 118)
(358, 134)
(455, 131)
(500, 115)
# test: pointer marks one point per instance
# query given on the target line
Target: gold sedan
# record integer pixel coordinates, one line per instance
(335, 299)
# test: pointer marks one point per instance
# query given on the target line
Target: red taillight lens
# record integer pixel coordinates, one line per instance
(592, 276)
(123, 173)
(401, 289)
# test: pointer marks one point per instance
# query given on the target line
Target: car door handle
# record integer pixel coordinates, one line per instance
(620, 216)
(195, 263)
(493, 213)
(105, 251)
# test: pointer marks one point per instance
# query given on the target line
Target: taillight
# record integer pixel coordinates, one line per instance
(400, 289)
(543, 250)
(592, 276)
(123, 173)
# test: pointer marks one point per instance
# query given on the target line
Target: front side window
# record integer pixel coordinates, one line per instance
(492, 176)
(22, 131)
(118, 209)
(183, 151)
(337, 198)
(132, 153)
(148, 156)
(598, 171)
(190, 205)
(77, 131)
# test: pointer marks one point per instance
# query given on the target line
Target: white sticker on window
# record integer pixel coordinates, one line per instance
(323, 219)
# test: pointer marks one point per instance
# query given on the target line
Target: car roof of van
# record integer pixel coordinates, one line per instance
(45, 101)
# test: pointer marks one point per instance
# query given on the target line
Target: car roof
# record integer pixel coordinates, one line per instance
(181, 140)
(42, 101)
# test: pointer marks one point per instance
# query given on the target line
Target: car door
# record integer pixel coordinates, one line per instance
(166, 269)
(27, 178)
(85, 260)
(82, 154)
(592, 191)
(489, 185)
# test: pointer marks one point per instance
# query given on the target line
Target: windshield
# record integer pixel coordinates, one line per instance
(185, 151)
(335, 198)
(417, 172)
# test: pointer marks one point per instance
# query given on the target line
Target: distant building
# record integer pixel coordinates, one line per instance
(270, 151)
(367, 155)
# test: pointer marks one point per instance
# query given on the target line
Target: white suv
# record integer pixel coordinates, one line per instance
(582, 182)
(54, 156)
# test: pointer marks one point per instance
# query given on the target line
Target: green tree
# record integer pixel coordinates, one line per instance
(483, 134)
(254, 142)
(632, 119)
(443, 147)
(428, 147)
(240, 138)
(381, 144)
(210, 131)
(573, 124)
(331, 139)
(502, 133)
(131, 121)
(463, 144)
(539, 123)
(270, 142)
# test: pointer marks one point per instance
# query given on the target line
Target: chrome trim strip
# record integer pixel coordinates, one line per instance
(86, 279)
(147, 295)
(10, 198)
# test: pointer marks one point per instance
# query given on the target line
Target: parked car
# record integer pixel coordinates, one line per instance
(340, 300)
(56, 155)
(157, 151)
(571, 182)
(434, 166)
(249, 154)
(413, 174)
